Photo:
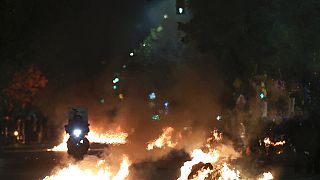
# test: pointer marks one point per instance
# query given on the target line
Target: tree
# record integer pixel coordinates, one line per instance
(257, 36)
(25, 85)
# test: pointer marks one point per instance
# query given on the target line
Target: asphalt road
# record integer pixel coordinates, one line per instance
(27, 165)
(36, 163)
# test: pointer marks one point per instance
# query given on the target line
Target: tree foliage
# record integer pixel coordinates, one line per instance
(25, 85)
(258, 36)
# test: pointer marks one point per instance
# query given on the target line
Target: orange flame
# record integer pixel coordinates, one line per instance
(227, 173)
(215, 137)
(163, 140)
(62, 146)
(197, 156)
(266, 176)
(202, 174)
(220, 169)
(98, 172)
(268, 142)
(110, 137)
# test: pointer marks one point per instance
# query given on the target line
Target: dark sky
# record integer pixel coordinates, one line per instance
(77, 35)
(68, 40)
(66, 37)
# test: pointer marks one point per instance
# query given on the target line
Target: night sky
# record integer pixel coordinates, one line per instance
(74, 37)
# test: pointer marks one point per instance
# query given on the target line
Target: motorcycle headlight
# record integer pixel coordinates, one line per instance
(77, 132)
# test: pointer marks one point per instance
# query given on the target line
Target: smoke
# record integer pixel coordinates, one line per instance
(176, 72)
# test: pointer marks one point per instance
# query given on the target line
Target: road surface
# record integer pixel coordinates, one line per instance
(36, 163)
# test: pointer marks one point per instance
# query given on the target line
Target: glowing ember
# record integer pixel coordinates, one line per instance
(107, 138)
(266, 176)
(163, 140)
(268, 142)
(97, 172)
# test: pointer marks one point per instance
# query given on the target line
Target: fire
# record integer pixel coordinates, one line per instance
(163, 140)
(268, 142)
(214, 138)
(266, 176)
(202, 174)
(227, 173)
(110, 137)
(214, 164)
(62, 146)
(215, 135)
(97, 172)
(197, 156)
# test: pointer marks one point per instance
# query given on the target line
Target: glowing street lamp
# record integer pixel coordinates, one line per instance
(180, 7)
(155, 117)
(115, 80)
(152, 96)
(15, 133)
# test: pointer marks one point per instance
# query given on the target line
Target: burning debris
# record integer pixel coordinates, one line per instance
(99, 170)
(215, 136)
(165, 140)
(212, 162)
(197, 156)
(267, 142)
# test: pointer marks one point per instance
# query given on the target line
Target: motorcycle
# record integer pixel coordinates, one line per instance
(77, 128)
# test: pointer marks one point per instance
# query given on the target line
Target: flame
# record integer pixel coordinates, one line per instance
(212, 157)
(163, 140)
(197, 156)
(227, 173)
(62, 146)
(266, 176)
(124, 169)
(268, 142)
(110, 137)
(98, 172)
(202, 174)
(219, 167)
(214, 138)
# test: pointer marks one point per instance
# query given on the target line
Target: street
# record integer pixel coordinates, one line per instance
(34, 164)
(28, 164)
(37, 163)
